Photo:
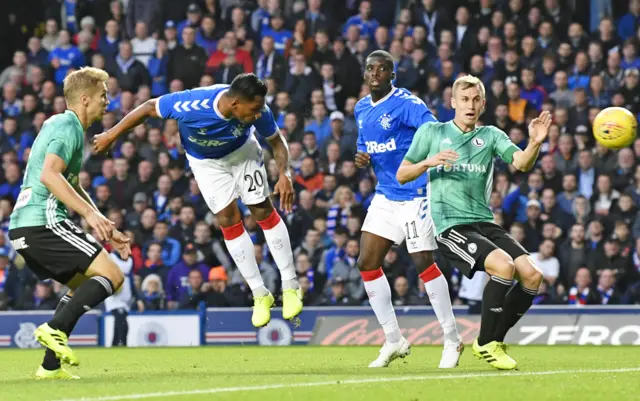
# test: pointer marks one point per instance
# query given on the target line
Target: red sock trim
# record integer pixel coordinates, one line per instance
(271, 221)
(232, 232)
(372, 275)
(431, 273)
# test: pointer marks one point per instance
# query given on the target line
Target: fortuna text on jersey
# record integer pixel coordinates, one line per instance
(464, 167)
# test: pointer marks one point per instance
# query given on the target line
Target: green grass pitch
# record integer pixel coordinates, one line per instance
(325, 373)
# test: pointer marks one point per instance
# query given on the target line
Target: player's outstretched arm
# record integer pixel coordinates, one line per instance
(103, 142)
(409, 171)
(538, 131)
(284, 186)
(55, 182)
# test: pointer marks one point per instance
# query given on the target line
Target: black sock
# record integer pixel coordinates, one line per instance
(50, 361)
(87, 296)
(492, 308)
(516, 304)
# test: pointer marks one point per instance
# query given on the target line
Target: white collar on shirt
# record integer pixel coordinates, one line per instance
(391, 92)
(215, 104)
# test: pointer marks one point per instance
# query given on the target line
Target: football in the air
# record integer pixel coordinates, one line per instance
(615, 127)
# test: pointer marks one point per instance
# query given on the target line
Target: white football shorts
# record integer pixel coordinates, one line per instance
(241, 173)
(400, 221)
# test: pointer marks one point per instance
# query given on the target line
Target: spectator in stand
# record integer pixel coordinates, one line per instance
(207, 35)
(122, 184)
(129, 72)
(148, 12)
(143, 45)
(607, 288)
(41, 298)
(552, 212)
(187, 61)
(533, 94)
(194, 15)
(154, 263)
(218, 294)
(152, 293)
(547, 262)
(229, 44)
(179, 278)
(170, 248)
(573, 253)
(338, 295)
(12, 182)
(347, 270)
(65, 56)
(610, 257)
(581, 292)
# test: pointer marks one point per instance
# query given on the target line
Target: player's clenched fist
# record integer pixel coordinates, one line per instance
(446, 157)
(102, 142)
(362, 159)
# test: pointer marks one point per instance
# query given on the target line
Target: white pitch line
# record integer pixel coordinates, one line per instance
(343, 382)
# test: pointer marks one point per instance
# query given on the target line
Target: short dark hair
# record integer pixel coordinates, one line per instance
(340, 230)
(382, 54)
(247, 87)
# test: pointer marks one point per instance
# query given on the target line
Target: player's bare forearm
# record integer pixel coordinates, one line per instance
(280, 152)
(61, 189)
(525, 159)
(84, 195)
(408, 171)
(136, 117)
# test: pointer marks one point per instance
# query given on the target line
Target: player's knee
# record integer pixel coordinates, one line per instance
(112, 272)
(532, 278)
(528, 273)
(504, 268)
(229, 216)
(117, 278)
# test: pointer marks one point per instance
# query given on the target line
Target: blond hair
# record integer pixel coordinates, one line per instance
(467, 82)
(84, 80)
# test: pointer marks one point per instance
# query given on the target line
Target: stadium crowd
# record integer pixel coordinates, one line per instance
(576, 212)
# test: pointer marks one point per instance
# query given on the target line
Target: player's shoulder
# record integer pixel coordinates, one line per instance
(63, 123)
(363, 103)
(205, 91)
(431, 126)
(212, 88)
(404, 97)
(490, 130)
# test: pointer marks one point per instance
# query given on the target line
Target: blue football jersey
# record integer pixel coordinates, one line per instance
(385, 132)
(204, 131)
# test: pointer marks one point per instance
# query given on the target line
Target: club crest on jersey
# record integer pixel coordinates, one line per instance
(385, 121)
(238, 131)
(478, 142)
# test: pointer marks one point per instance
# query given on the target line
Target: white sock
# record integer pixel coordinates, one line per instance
(379, 293)
(438, 290)
(241, 249)
(277, 236)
